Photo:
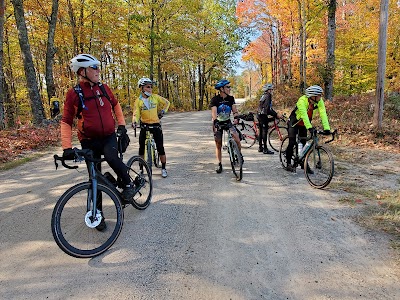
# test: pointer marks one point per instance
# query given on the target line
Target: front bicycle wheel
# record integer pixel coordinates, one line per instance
(248, 135)
(236, 160)
(275, 137)
(156, 159)
(320, 167)
(73, 227)
(282, 152)
(140, 173)
(148, 155)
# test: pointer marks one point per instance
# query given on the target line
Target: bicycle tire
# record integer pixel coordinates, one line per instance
(322, 166)
(248, 135)
(140, 173)
(149, 158)
(68, 226)
(282, 151)
(237, 162)
(156, 158)
(275, 137)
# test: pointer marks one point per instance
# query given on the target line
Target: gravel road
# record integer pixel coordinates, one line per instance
(205, 236)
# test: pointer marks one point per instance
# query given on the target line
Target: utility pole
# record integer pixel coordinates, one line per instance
(380, 80)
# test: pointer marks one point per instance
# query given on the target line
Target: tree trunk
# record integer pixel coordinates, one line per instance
(2, 80)
(10, 93)
(74, 30)
(202, 84)
(330, 50)
(33, 91)
(51, 51)
(303, 45)
(279, 41)
(152, 42)
(380, 81)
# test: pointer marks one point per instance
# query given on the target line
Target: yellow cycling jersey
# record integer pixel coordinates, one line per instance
(146, 110)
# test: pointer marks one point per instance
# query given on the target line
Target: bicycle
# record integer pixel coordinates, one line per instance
(235, 156)
(82, 207)
(150, 150)
(248, 134)
(317, 160)
(276, 133)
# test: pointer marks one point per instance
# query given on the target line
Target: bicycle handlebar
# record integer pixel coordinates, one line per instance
(80, 154)
(333, 134)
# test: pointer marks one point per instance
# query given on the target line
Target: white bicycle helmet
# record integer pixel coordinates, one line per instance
(144, 81)
(83, 61)
(268, 86)
(314, 90)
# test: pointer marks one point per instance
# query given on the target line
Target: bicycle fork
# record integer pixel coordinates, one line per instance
(93, 215)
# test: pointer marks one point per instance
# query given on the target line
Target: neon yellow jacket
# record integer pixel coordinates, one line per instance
(150, 115)
(302, 108)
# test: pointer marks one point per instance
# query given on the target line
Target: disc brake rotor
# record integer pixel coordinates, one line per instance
(93, 222)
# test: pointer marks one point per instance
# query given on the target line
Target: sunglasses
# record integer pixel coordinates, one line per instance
(228, 86)
(149, 86)
(94, 67)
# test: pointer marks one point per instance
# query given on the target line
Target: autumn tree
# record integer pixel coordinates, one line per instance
(330, 50)
(2, 80)
(33, 91)
(51, 51)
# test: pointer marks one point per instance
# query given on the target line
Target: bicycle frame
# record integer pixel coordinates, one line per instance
(275, 125)
(150, 146)
(314, 143)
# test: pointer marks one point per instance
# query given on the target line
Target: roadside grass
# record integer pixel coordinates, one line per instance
(19, 161)
(380, 211)
(385, 216)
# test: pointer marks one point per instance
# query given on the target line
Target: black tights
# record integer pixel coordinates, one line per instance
(263, 131)
(292, 132)
(108, 147)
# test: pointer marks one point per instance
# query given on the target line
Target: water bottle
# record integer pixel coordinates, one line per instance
(306, 147)
(300, 148)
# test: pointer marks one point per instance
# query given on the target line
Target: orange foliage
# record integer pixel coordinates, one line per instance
(16, 142)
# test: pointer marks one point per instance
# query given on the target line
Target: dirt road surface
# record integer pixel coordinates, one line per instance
(205, 236)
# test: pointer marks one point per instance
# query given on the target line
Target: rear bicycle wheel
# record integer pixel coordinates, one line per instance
(73, 228)
(140, 173)
(236, 160)
(319, 161)
(248, 135)
(275, 137)
(282, 151)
